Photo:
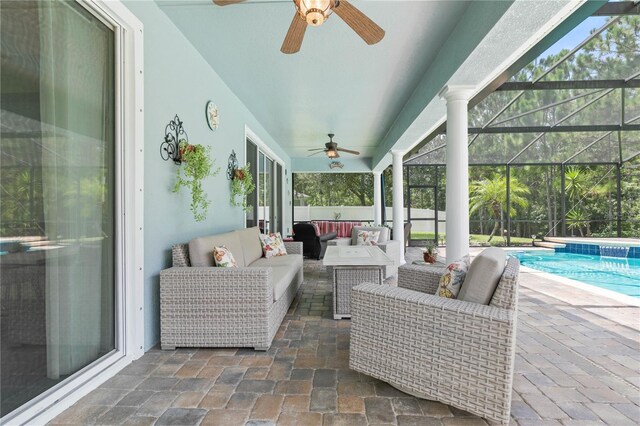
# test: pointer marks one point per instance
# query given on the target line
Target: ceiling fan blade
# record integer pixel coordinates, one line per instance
(349, 151)
(226, 2)
(316, 149)
(368, 30)
(315, 153)
(293, 39)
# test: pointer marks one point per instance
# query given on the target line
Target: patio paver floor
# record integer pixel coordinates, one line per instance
(578, 362)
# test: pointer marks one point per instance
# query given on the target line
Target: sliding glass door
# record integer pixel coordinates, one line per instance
(265, 204)
(58, 198)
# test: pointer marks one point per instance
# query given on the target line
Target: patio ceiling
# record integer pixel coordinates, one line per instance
(374, 98)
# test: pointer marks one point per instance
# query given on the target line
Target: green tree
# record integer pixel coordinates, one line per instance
(491, 194)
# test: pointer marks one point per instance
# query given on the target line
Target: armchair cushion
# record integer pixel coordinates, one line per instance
(223, 257)
(366, 238)
(382, 238)
(483, 276)
(451, 281)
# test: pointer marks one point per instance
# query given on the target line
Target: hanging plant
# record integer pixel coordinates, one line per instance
(196, 165)
(241, 186)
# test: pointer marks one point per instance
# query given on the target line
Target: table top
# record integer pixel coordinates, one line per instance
(356, 256)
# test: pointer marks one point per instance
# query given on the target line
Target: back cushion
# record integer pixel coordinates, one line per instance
(483, 276)
(383, 238)
(250, 241)
(201, 248)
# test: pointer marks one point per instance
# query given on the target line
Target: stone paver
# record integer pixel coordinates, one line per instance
(577, 362)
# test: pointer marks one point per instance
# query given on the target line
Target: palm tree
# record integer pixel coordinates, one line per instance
(492, 195)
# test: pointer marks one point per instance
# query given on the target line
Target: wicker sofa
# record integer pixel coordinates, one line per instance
(453, 351)
(205, 306)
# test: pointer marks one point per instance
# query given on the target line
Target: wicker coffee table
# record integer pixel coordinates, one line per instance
(353, 265)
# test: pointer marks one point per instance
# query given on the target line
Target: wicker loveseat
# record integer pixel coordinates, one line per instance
(456, 352)
(205, 306)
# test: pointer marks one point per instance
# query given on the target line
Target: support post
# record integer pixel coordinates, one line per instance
(508, 180)
(377, 198)
(398, 201)
(383, 193)
(619, 199)
(457, 191)
(563, 200)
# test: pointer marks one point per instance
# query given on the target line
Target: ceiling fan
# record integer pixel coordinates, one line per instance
(331, 149)
(314, 13)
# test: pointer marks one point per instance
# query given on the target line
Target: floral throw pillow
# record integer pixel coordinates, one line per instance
(223, 257)
(272, 245)
(368, 238)
(452, 279)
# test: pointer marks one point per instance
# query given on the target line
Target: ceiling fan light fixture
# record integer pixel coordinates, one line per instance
(315, 12)
(332, 153)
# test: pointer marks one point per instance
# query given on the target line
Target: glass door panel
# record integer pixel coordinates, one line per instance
(57, 206)
(252, 199)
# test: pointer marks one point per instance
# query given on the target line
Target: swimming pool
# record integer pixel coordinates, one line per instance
(621, 275)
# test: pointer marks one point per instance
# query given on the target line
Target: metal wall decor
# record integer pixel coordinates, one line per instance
(336, 165)
(174, 133)
(232, 165)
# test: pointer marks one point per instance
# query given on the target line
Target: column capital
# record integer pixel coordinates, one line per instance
(397, 153)
(376, 172)
(456, 93)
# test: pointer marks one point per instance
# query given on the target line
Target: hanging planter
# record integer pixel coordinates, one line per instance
(241, 182)
(196, 165)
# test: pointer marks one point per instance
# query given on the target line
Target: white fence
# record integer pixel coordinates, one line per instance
(365, 214)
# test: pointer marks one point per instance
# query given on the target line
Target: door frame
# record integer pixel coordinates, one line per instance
(129, 292)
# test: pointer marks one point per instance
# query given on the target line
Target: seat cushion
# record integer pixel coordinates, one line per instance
(382, 238)
(201, 249)
(285, 269)
(483, 276)
(250, 241)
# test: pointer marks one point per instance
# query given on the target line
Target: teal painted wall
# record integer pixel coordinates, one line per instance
(179, 81)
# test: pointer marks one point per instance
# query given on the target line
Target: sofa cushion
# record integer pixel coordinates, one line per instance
(201, 249)
(250, 241)
(272, 245)
(292, 261)
(284, 270)
(382, 238)
(483, 276)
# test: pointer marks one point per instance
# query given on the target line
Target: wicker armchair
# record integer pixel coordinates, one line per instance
(452, 351)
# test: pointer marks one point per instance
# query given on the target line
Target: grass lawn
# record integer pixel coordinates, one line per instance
(475, 240)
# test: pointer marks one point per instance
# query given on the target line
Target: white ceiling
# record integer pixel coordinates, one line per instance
(336, 83)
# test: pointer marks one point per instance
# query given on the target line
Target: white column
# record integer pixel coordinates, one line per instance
(457, 229)
(377, 198)
(398, 201)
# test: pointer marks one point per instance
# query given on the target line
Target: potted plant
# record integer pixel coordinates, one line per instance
(241, 186)
(430, 253)
(197, 165)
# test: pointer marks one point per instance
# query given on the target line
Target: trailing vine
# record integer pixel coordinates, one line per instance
(241, 186)
(196, 166)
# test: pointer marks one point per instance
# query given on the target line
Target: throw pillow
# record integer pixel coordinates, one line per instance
(272, 245)
(452, 279)
(223, 257)
(368, 238)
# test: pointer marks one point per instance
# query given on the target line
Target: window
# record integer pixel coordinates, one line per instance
(264, 205)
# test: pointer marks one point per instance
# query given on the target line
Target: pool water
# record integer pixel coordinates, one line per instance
(618, 274)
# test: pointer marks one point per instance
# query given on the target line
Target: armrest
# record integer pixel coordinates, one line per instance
(293, 247)
(339, 242)
(194, 282)
(423, 278)
(405, 301)
(328, 236)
